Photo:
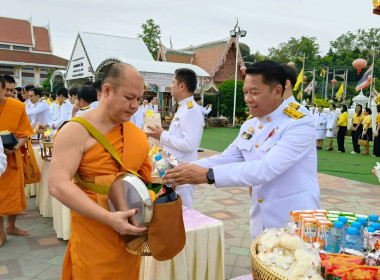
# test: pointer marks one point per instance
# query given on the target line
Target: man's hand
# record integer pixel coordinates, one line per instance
(44, 126)
(186, 174)
(8, 152)
(120, 222)
(155, 132)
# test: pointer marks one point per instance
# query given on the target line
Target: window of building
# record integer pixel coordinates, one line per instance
(4, 46)
(21, 48)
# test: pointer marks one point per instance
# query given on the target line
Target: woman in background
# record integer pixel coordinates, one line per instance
(376, 140)
(367, 126)
(357, 128)
(320, 119)
(331, 125)
(342, 124)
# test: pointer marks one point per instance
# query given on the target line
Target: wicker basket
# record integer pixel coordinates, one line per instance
(137, 245)
(259, 270)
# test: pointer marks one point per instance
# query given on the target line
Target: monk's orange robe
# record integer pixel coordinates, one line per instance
(12, 193)
(96, 251)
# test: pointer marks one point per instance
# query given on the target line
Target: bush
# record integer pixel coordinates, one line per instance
(226, 99)
(322, 102)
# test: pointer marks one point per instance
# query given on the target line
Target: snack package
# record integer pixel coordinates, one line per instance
(373, 258)
(371, 240)
(309, 230)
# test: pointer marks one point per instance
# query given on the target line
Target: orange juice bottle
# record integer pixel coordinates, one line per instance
(309, 230)
(323, 228)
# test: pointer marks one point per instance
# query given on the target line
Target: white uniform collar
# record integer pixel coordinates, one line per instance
(275, 114)
(291, 99)
(184, 101)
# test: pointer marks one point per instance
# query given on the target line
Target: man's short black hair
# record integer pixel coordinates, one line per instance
(29, 87)
(291, 74)
(73, 91)
(18, 89)
(113, 72)
(271, 72)
(188, 77)
(197, 98)
(2, 82)
(53, 96)
(19, 96)
(9, 79)
(87, 83)
(88, 94)
(47, 94)
(97, 85)
(63, 92)
(37, 91)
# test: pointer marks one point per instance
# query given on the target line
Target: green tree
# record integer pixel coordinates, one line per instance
(151, 35)
(226, 99)
(46, 83)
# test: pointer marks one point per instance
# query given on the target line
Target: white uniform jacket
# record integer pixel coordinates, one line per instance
(183, 139)
(65, 114)
(154, 108)
(3, 159)
(54, 110)
(331, 120)
(40, 113)
(138, 118)
(276, 155)
(320, 120)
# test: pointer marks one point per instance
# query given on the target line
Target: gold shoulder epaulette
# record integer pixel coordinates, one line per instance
(294, 105)
(249, 117)
(290, 111)
(85, 108)
(189, 104)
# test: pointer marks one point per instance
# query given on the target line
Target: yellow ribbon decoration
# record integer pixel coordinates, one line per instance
(149, 113)
(154, 150)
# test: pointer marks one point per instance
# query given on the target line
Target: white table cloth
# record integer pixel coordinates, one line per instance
(44, 201)
(61, 220)
(202, 257)
(31, 189)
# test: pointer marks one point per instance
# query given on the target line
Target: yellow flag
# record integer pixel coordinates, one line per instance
(299, 95)
(299, 80)
(340, 91)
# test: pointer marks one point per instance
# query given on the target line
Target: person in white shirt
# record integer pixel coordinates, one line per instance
(54, 106)
(3, 158)
(73, 92)
(274, 152)
(331, 125)
(320, 120)
(153, 104)
(145, 106)
(205, 110)
(41, 111)
(138, 118)
(65, 111)
(86, 97)
(186, 129)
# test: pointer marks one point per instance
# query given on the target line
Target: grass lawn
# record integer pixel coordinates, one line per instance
(346, 165)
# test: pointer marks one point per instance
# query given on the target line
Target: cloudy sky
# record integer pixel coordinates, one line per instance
(267, 22)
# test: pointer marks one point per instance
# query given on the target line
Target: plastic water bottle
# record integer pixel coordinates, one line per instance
(358, 226)
(352, 240)
(335, 238)
(373, 219)
(376, 226)
(363, 222)
(162, 165)
(344, 220)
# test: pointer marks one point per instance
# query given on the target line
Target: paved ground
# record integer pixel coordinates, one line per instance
(40, 255)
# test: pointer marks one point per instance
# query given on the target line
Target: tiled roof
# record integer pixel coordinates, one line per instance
(209, 56)
(32, 58)
(15, 31)
(42, 39)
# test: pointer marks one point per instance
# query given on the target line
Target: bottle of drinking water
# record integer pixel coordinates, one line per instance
(335, 238)
(162, 165)
(352, 240)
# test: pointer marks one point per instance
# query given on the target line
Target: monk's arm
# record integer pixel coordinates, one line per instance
(21, 142)
(68, 151)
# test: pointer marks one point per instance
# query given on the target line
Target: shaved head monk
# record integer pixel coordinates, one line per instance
(12, 194)
(96, 248)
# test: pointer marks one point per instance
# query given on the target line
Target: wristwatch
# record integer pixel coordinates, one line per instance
(210, 176)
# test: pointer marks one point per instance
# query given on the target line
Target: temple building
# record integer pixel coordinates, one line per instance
(26, 52)
(217, 58)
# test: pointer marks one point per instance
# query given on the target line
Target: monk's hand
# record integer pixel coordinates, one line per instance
(186, 174)
(120, 222)
(155, 132)
(9, 152)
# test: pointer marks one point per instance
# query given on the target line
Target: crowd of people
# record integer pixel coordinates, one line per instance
(274, 153)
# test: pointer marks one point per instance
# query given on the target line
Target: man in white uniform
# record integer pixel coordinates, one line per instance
(153, 104)
(3, 158)
(138, 118)
(274, 152)
(87, 99)
(41, 111)
(185, 131)
(65, 111)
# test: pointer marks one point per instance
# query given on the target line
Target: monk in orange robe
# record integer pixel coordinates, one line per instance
(12, 194)
(96, 249)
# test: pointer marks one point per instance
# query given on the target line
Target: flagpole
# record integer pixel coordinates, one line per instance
(373, 72)
(332, 86)
(345, 85)
(303, 67)
(327, 83)
(312, 98)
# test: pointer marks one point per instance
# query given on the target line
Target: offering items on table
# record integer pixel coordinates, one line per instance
(9, 139)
